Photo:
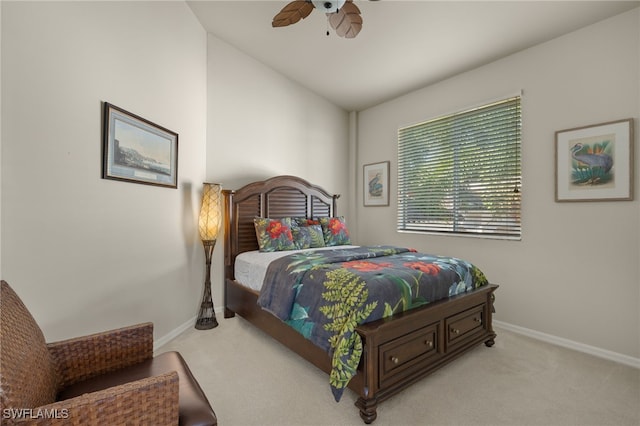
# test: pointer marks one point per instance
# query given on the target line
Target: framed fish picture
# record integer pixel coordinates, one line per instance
(376, 184)
(595, 163)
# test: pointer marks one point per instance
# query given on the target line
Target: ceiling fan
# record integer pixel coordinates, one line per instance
(343, 15)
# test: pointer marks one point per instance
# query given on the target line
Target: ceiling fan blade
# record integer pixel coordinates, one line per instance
(292, 13)
(347, 21)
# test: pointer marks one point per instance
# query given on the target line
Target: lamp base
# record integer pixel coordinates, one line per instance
(207, 316)
(206, 323)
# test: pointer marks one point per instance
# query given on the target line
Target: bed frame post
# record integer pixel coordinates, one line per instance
(228, 258)
(368, 409)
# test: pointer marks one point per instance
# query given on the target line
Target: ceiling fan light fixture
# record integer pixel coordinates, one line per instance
(342, 15)
(328, 6)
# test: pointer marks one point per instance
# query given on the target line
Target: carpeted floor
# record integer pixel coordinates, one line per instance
(250, 379)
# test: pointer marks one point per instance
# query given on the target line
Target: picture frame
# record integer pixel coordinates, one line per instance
(595, 162)
(376, 184)
(137, 150)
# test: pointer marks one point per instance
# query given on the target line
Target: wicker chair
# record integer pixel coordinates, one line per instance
(109, 378)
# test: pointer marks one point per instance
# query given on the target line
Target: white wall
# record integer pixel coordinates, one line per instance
(261, 124)
(84, 253)
(637, 164)
(575, 273)
(1, 139)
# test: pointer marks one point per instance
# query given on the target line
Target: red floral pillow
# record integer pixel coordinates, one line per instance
(334, 230)
(274, 234)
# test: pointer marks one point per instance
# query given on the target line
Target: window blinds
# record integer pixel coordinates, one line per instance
(461, 173)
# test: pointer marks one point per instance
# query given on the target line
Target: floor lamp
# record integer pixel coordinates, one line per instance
(208, 225)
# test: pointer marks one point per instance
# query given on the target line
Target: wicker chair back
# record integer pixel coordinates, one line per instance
(28, 376)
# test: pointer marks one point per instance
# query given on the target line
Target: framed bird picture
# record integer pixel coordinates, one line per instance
(595, 163)
(376, 184)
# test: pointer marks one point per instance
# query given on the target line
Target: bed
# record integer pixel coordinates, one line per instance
(397, 350)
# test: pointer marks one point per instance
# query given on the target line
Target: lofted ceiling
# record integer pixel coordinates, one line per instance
(403, 45)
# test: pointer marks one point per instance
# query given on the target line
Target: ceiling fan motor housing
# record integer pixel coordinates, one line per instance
(328, 6)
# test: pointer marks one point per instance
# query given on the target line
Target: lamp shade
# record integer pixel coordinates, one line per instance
(209, 220)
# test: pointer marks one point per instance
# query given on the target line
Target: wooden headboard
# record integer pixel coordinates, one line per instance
(280, 196)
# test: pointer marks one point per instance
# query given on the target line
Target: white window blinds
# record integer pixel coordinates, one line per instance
(461, 173)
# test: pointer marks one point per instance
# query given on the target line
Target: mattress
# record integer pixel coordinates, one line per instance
(251, 266)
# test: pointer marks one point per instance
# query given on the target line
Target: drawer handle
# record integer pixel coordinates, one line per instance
(395, 360)
(429, 343)
(476, 319)
(455, 331)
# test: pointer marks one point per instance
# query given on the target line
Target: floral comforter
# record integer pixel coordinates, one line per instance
(326, 294)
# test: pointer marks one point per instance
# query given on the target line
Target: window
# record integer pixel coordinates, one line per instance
(461, 173)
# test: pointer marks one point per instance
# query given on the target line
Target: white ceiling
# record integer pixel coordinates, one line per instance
(403, 45)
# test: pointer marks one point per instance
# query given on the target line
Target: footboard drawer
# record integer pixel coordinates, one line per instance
(465, 325)
(399, 357)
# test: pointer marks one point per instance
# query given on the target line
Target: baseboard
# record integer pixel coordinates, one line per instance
(157, 343)
(191, 322)
(580, 347)
(549, 338)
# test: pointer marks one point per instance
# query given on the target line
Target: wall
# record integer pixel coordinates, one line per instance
(1, 139)
(261, 124)
(574, 274)
(84, 253)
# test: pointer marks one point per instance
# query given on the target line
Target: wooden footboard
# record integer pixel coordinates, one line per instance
(403, 349)
(398, 351)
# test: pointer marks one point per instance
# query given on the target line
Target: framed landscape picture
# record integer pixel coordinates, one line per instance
(595, 163)
(376, 184)
(137, 150)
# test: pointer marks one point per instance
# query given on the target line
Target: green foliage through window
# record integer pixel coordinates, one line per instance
(461, 173)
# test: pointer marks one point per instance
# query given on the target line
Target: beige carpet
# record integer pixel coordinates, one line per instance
(250, 379)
